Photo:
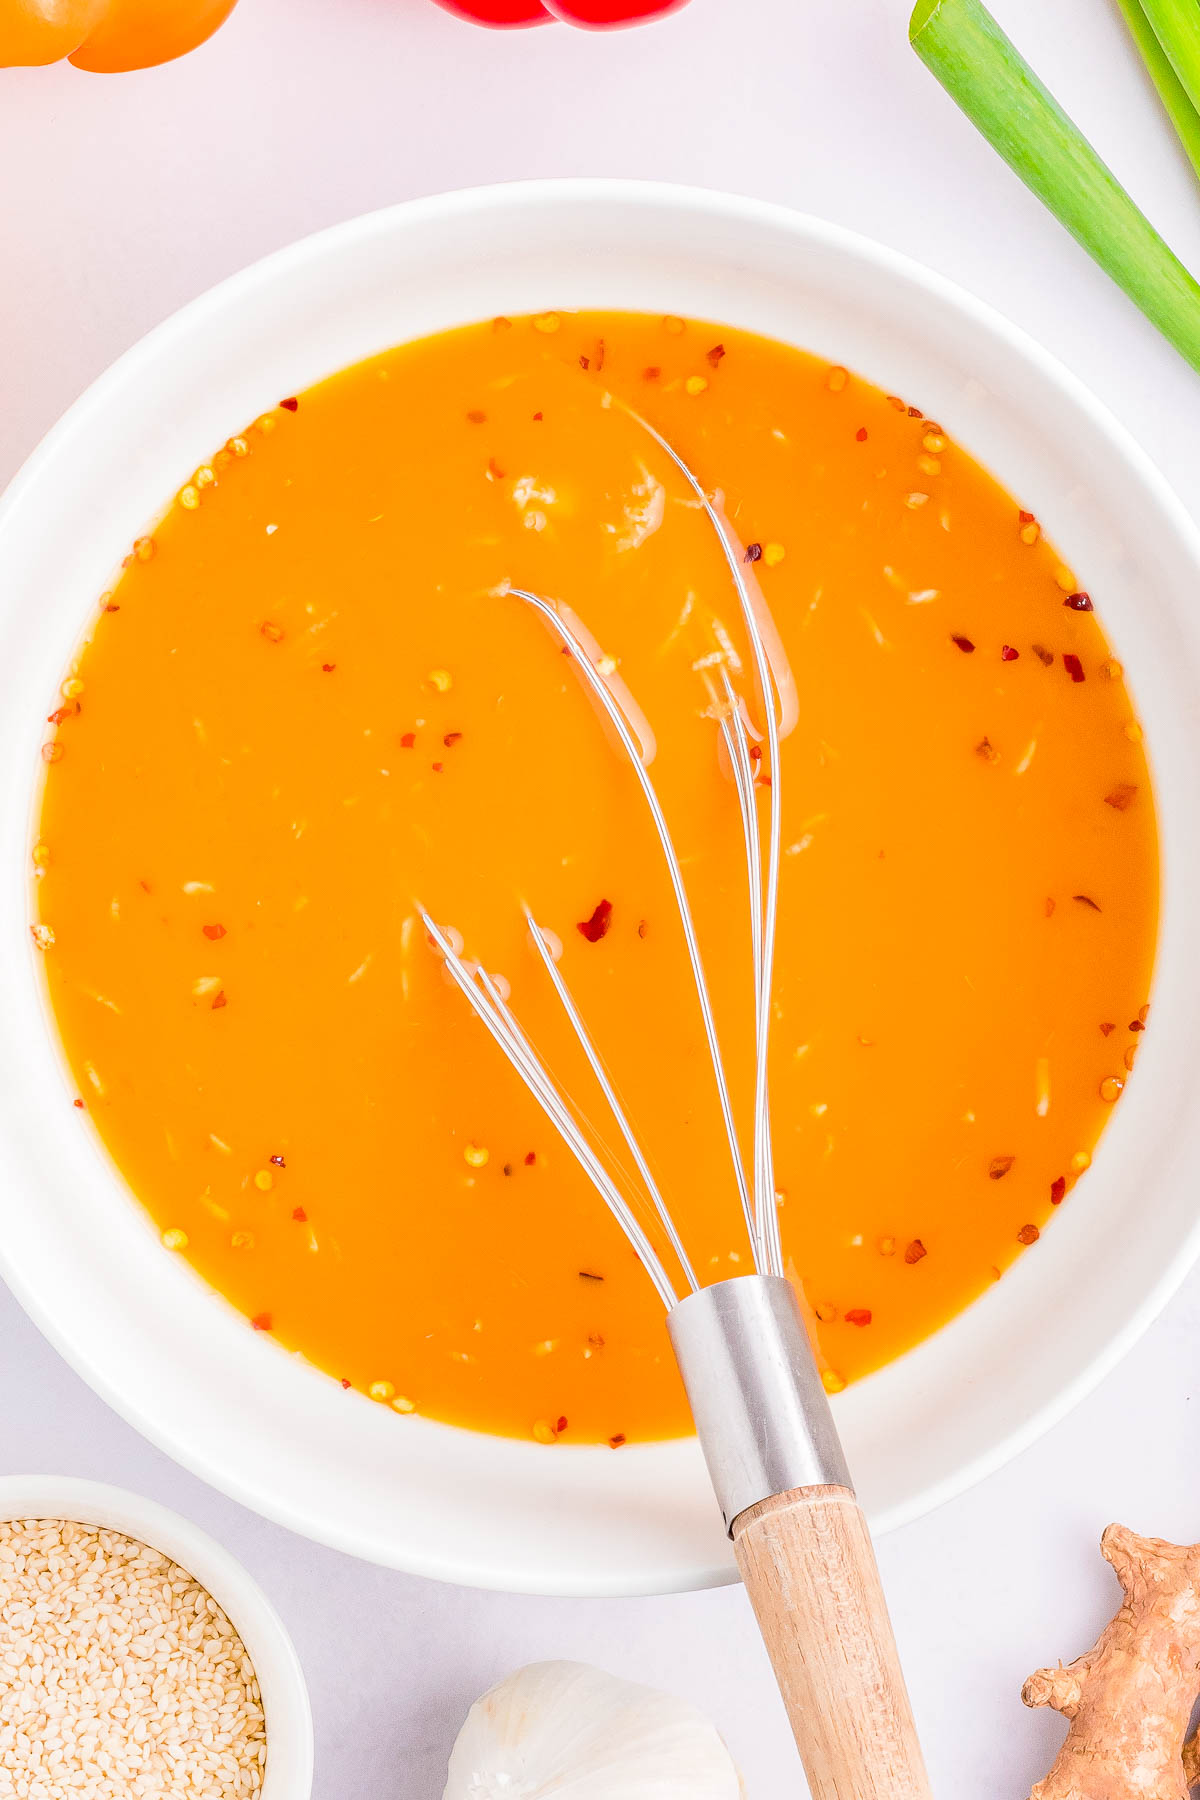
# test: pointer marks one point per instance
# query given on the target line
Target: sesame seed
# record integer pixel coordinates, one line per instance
(122, 1675)
(695, 384)
(264, 1181)
(773, 555)
(440, 679)
(547, 322)
(382, 1390)
(175, 1239)
(475, 1155)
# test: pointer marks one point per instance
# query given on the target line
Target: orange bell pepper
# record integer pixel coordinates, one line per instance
(105, 35)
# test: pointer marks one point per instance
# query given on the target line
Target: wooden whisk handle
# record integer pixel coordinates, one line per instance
(809, 1568)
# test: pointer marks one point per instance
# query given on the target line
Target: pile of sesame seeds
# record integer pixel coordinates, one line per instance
(120, 1676)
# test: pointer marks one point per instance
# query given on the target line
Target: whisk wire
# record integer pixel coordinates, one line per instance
(620, 725)
(604, 1082)
(765, 1236)
(489, 1006)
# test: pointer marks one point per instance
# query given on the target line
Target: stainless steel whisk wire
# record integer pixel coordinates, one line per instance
(759, 1213)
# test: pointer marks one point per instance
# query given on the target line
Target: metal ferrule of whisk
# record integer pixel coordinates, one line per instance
(760, 1408)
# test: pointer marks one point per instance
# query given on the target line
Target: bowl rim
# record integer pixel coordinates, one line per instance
(286, 1707)
(701, 203)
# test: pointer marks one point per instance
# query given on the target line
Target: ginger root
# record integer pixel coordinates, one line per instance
(1129, 1699)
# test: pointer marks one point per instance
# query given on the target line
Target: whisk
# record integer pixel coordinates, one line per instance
(752, 1382)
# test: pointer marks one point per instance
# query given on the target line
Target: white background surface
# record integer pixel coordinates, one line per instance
(122, 197)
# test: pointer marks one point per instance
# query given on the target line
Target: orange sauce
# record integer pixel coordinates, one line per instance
(308, 701)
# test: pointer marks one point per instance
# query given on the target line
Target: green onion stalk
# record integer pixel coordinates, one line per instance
(1177, 98)
(960, 42)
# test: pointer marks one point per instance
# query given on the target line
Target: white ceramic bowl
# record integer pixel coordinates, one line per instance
(284, 1695)
(168, 1353)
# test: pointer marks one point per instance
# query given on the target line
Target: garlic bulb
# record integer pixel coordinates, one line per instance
(563, 1728)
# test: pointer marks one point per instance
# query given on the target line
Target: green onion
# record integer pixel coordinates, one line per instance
(1171, 91)
(981, 70)
(1176, 25)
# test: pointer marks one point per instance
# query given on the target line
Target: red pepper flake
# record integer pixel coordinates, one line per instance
(214, 933)
(1137, 1024)
(530, 1158)
(1107, 1027)
(596, 927)
(346, 1383)
(507, 1169)
(494, 469)
(273, 633)
(644, 929)
(1044, 656)
(1122, 796)
(616, 1440)
(964, 643)
(753, 553)
(916, 1250)
(583, 362)
(537, 418)
(1072, 665)
(858, 1315)
(219, 1001)
(600, 354)
(860, 436)
(261, 1321)
(714, 355)
(437, 767)
(407, 739)
(914, 412)
(560, 1424)
(476, 417)
(62, 712)
(300, 1216)
(53, 752)
(1086, 900)
(79, 1104)
(328, 668)
(1048, 907)
(651, 374)
(1008, 654)
(291, 404)
(1000, 1165)
(987, 750)
(277, 1161)
(897, 402)
(1026, 518)
(1028, 1234)
(1058, 1188)
(1079, 602)
(451, 738)
(589, 1275)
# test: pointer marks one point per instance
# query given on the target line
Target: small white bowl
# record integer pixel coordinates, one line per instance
(165, 1350)
(280, 1679)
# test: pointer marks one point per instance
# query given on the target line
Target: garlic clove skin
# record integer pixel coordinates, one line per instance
(567, 1730)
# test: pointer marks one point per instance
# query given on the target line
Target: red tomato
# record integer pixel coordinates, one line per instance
(601, 15)
(502, 13)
